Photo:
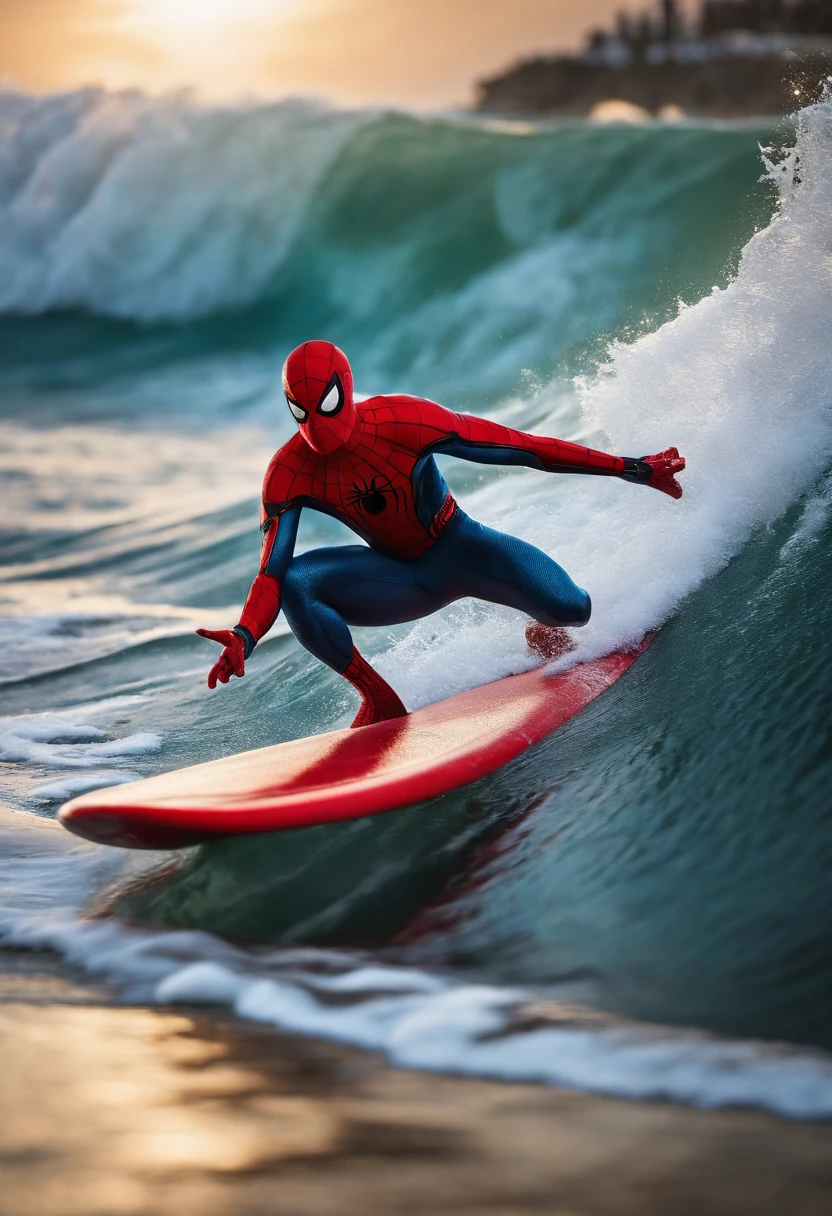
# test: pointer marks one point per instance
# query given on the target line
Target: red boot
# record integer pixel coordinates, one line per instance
(549, 641)
(378, 700)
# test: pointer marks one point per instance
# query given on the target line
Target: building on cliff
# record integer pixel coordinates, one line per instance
(735, 58)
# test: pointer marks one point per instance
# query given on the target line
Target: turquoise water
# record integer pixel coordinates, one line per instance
(666, 856)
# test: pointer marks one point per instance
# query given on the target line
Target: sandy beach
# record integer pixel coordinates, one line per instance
(111, 1109)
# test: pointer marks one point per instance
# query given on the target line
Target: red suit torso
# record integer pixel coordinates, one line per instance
(382, 485)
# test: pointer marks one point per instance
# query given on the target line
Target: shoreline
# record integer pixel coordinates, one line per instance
(111, 1108)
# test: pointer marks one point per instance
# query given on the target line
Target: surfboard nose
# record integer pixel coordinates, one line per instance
(345, 774)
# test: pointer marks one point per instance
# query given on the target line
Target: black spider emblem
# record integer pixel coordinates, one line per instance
(370, 497)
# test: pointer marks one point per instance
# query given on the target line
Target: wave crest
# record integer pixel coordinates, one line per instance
(153, 208)
(417, 232)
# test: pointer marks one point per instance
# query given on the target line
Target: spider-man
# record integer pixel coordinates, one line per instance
(371, 465)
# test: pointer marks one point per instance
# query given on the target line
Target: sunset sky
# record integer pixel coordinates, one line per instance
(417, 52)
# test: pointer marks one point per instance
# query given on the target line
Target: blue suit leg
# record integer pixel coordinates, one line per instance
(327, 590)
(504, 570)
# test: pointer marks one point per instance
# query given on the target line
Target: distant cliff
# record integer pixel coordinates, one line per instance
(728, 86)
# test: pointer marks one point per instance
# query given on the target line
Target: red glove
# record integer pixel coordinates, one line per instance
(665, 465)
(232, 660)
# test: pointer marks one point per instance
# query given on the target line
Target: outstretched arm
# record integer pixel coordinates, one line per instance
(487, 442)
(263, 601)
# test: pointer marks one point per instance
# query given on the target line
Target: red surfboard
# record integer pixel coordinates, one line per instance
(345, 774)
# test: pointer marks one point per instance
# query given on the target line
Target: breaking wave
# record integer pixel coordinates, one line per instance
(664, 857)
(448, 244)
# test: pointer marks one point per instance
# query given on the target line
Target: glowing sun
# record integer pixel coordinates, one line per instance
(175, 20)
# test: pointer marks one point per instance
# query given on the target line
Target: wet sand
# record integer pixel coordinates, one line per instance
(108, 1109)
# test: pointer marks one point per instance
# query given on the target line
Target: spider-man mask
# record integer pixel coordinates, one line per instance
(317, 381)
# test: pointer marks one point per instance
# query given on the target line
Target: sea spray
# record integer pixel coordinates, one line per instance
(741, 383)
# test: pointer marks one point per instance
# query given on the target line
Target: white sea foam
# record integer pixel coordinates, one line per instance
(741, 383)
(71, 738)
(812, 520)
(419, 1020)
(68, 787)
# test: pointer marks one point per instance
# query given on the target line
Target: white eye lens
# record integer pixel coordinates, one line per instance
(331, 401)
(297, 412)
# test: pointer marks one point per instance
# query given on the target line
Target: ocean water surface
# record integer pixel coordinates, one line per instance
(638, 906)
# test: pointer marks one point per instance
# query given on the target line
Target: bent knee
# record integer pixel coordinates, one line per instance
(298, 581)
(574, 609)
(581, 607)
